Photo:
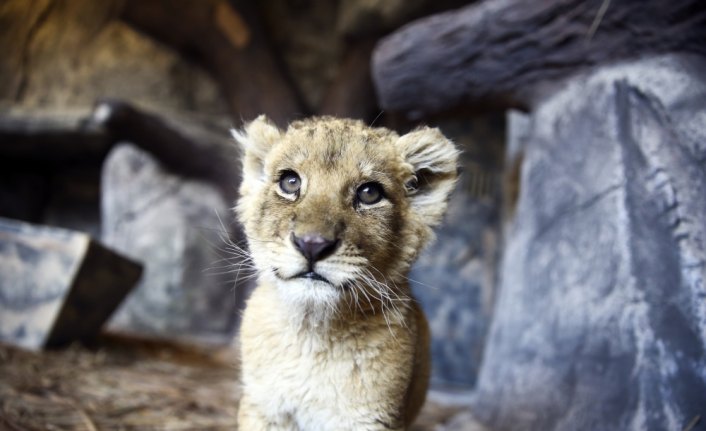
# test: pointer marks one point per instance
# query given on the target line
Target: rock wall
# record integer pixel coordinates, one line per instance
(600, 322)
(68, 54)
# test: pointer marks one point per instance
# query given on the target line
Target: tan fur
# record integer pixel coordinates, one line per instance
(350, 353)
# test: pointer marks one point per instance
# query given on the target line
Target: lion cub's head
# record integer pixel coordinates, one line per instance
(335, 211)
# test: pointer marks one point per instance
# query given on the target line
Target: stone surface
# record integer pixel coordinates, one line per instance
(600, 323)
(451, 280)
(68, 54)
(57, 285)
(509, 53)
(454, 277)
(173, 225)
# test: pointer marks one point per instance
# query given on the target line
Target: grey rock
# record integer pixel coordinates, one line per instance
(173, 225)
(600, 322)
(451, 281)
(57, 285)
(454, 277)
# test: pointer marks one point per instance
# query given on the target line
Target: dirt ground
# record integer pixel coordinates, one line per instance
(128, 384)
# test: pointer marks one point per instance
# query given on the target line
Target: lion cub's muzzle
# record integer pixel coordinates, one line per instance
(314, 247)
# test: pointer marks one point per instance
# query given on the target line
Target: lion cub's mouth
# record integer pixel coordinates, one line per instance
(310, 275)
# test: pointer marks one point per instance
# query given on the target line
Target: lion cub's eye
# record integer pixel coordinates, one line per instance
(369, 193)
(289, 182)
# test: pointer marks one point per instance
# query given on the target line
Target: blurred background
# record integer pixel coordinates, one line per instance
(565, 289)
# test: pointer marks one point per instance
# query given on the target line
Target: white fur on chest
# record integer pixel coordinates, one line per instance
(322, 379)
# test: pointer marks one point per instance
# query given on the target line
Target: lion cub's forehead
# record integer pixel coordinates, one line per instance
(331, 143)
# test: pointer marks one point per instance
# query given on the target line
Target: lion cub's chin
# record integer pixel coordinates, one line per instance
(314, 299)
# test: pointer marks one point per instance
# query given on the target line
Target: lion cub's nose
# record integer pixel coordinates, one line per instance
(314, 247)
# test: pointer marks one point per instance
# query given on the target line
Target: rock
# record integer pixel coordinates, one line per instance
(600, 322)
(510, 53)
(454, 277)
(226, 39)
(451, 281)
(173, 225)
(68, 54)
(57, 286)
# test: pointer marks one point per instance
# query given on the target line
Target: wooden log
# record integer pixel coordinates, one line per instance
(226, 38)
(51, 138)
(57, 286)
(507, 53)
(181, 146)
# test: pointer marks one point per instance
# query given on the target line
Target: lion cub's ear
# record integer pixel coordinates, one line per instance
(256, 139)
(433, 159)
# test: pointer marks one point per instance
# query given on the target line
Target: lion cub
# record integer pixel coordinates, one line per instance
(335, 213)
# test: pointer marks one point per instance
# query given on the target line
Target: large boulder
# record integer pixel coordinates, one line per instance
(600, 322)
(173, 225)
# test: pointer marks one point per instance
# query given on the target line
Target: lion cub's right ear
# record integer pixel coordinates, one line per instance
(256, 140)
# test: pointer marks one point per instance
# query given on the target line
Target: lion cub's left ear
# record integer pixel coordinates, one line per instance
(434, 160)
(256, 140)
